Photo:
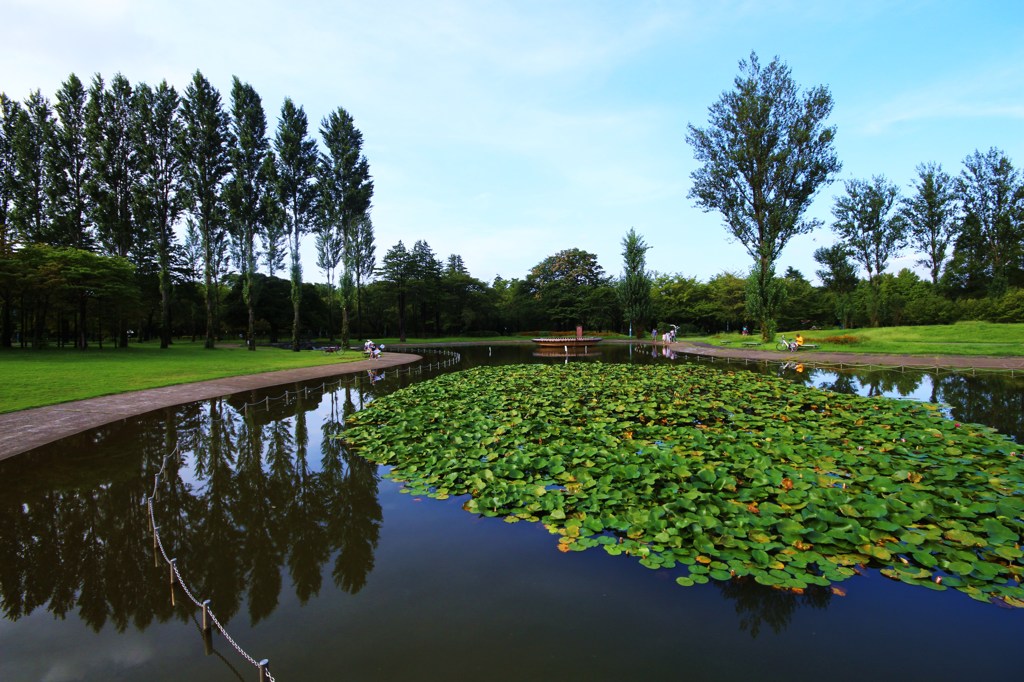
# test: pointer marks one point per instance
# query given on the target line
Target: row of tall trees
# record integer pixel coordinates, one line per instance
(119, 170)
(767, 151)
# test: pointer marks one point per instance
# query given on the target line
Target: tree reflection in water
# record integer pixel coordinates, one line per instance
(241, 503)
(757, 605)
(267, 491)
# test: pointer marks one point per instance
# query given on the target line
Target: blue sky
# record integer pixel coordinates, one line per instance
(506, 131)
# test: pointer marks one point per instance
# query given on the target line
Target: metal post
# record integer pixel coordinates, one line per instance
(156, 549)
(264, 670)
(171, 564)
(207, 630)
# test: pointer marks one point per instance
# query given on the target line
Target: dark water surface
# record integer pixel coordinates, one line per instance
(313, 560)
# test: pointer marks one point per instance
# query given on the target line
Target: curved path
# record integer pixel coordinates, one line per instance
(1013, 363)
(27, 429)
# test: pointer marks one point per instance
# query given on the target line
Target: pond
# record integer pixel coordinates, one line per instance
(312, 559)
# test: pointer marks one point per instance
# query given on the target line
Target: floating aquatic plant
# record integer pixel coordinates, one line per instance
(729, 474)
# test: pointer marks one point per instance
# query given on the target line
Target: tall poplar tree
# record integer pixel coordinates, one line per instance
(203, 146)
(109, 121)
(275, 233)
(346, 190)
(248, 189)
(161, 194)
(764, 155)
(364, 260)
(635, 287)
(10, 113)
(33, 137)
(296, 161)
(70, 172)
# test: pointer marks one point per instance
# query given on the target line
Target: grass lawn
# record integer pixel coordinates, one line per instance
(32, 378)
(962, 338)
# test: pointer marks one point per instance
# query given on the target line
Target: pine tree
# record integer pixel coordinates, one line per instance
(635, 288)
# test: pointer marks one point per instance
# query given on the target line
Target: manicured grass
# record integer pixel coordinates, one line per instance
(962, 338)
(33, 378)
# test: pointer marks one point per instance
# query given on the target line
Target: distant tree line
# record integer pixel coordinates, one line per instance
(766, 152)
(94, 185)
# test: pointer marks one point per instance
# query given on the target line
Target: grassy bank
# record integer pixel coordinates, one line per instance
(33, 378)
(963, 338)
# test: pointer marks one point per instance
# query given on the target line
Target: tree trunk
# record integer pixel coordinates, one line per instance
(250, 334)
(296, 301)
(82, 338)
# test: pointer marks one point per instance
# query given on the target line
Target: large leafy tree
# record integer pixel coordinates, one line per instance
(160, 199)
(204, 145)
(930, 215)
(635, 287)
(248, 191)
(297, 157)
(990, 248)
(566, 286)
(867, 219)
(764, 155)
(346, 190)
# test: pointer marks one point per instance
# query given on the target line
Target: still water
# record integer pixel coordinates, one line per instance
(313, 560)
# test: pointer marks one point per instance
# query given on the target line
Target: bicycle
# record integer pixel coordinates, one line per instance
(785, 345)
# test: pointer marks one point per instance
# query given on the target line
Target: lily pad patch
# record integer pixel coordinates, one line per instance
(726, 473)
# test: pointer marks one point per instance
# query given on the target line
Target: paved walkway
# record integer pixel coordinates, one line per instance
(1015, 363)
(27, 429)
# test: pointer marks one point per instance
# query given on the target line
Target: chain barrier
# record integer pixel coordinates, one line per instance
(175, 574)
(176, 577)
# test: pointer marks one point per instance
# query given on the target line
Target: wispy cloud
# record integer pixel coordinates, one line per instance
(982, 93)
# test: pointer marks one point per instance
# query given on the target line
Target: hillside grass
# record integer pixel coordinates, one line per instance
(962, 338)
(33, 378)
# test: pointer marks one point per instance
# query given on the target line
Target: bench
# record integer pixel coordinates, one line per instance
(752, 343)
(331, 349)
(807, 346)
